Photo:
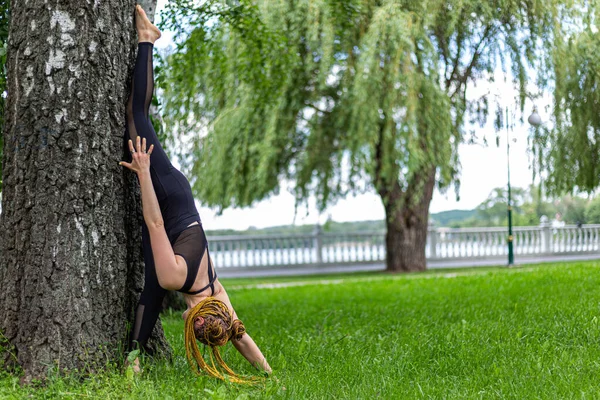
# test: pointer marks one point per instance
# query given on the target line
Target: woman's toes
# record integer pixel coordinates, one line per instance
(141, 11)
(146, 30)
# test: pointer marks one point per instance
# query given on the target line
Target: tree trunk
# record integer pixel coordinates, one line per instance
(174, 301)
(71, 266)
(407, 215)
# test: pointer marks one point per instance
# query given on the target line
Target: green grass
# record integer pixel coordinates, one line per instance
(524, 333)
(232, 282)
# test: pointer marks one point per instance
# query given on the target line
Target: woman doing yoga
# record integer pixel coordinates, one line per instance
(174, 244)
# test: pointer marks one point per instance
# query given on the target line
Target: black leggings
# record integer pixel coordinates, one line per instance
(172, 191)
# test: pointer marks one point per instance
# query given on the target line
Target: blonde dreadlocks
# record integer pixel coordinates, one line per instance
(219, 327)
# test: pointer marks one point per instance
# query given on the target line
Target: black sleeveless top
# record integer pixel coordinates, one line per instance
(191, 244)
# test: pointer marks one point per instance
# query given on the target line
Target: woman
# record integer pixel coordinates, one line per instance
(175, 247)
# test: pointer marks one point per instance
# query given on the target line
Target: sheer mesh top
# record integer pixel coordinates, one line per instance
(191, 245)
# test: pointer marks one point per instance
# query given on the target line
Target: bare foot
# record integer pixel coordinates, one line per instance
(135, 366)
(147, 32)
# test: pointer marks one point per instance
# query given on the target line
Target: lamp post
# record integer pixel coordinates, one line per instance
(534, 120)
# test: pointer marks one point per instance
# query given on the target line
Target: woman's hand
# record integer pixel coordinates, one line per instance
(140, 159)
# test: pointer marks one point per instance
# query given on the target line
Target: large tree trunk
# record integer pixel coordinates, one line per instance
(174, 301)
(407, 215)
(71, 267)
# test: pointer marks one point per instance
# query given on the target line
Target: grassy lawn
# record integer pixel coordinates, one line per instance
(350, 276)
(530, 332)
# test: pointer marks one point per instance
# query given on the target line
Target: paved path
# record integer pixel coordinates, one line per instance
(332, 269)
(370, 278)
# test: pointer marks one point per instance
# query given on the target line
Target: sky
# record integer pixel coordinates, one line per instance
(483, 169)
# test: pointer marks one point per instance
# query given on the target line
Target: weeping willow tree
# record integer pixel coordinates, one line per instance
(342, 97)
(567, 148)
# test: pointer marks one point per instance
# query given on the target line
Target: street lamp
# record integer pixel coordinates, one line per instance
(534, 120)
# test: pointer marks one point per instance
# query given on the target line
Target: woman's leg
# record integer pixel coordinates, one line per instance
(138, 106)
(152, 296)
(139, 124)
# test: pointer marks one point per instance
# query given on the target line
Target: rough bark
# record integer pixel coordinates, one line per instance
(174, 301)
(70, 263)
(407, 215)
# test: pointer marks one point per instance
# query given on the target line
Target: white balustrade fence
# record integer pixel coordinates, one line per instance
(318, 248)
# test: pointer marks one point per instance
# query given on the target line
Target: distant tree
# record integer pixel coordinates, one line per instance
(529, 205)
(540, 204)
(572, 208)
(493, 210)
(592, 212)
(341, 97)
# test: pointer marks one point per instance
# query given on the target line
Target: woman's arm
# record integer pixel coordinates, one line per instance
(168, 269)
(150, 208)
(251, 352)
(245, 345)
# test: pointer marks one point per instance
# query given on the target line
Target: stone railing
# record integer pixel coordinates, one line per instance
(445, 243)
(320, 248)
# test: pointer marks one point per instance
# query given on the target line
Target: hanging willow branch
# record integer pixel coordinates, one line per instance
(344, 96)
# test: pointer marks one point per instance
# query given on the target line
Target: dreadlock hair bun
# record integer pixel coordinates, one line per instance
(218, 328)
(237, 329)
(213, 332)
